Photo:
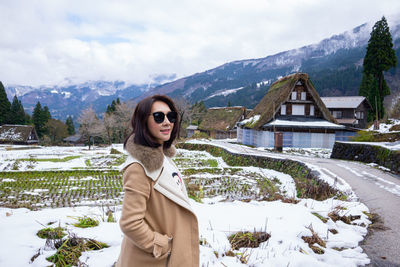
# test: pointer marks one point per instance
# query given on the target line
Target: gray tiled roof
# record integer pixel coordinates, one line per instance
(343, 101)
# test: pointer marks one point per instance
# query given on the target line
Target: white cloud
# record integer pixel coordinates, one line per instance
(44, 42)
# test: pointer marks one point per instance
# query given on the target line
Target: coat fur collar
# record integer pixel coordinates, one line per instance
(152, 158)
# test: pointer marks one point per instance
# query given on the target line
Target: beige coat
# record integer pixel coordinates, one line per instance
(159, 226)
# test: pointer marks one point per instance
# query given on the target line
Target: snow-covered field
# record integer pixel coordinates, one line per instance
(230, 202)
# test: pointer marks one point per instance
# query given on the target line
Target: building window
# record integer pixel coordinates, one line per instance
(303, 95)
(294, 95)
(312, 110)
(359, 115)
(337, 114)
(298, 110)
(283, 110)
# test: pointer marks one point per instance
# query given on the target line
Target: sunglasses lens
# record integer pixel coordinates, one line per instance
(158, 117)
(172, 116)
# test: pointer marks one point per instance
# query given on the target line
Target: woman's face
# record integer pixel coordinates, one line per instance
(160, 131)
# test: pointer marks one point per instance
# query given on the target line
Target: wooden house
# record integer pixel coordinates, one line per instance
(76, 140)
(191, 130)
(220, 123)
(292, 107)
(18, 135)
(351, 111)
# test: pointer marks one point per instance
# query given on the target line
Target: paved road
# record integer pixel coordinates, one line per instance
(379, 190)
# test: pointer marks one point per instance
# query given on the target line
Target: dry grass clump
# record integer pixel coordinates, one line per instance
(70, 249)
(376, 221)
(334, 215)
(314, 239)
(247, 239)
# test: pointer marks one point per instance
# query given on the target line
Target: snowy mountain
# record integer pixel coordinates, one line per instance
(334, 65)
(70, 99)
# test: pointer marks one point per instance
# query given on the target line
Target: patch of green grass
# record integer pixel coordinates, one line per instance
(212, 163)
(322, 218)
(51, 233)
(65, 159)
(118, 161)
(86, 222)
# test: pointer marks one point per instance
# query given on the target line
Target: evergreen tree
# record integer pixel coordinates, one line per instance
(380, 57)
(17, 112)
(40, 117)
(37, 119)
(5, 106)
(70, 125)
(46, 114)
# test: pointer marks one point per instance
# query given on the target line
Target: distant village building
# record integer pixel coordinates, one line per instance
(76, 140)
(220, 123)
(18, 135)
(292, 107)
(191, 130)
(351, 111)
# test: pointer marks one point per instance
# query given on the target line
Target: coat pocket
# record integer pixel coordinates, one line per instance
(162, 246)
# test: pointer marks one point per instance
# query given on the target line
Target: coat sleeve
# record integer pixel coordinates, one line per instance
(137, 187)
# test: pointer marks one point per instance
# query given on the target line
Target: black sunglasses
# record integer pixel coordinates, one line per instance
(160, 116)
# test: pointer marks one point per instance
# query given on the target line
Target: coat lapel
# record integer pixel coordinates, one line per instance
(152, 161)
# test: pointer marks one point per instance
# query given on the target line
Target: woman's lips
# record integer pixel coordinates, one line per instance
(165, 131)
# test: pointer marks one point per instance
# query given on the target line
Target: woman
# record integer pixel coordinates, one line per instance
(159, 226)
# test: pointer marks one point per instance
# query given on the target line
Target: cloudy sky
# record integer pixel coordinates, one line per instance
(47, 42)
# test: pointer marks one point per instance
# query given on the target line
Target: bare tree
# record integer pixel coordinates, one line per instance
(183, 106)
(109, 125)
(90, 125)
(57, 130)
(122, 115)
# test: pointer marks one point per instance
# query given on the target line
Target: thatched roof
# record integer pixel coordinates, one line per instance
(16, 133)
(222, 119)
(278, 93)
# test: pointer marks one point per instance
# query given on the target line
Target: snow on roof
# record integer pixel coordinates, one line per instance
(309, 124)
(192, 127)
(11, 134)
(15, 133)
(343, 101)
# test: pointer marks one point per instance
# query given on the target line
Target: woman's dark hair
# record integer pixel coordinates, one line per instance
(139, 122)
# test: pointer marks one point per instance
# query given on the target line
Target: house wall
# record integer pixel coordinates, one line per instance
(351, 113)
(290, 139)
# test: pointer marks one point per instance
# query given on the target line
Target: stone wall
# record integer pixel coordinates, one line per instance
(368, 154)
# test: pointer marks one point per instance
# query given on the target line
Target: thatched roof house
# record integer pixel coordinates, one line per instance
(221, 122)
(280, 93)
(18, 134)
(291, 106)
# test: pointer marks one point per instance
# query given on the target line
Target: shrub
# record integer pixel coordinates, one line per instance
(364, 136)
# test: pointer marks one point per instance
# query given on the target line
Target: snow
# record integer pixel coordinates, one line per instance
(285, 222)
(224, 92)
(384, 127)
(321, 123)
(250, 120)
(11, 135)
